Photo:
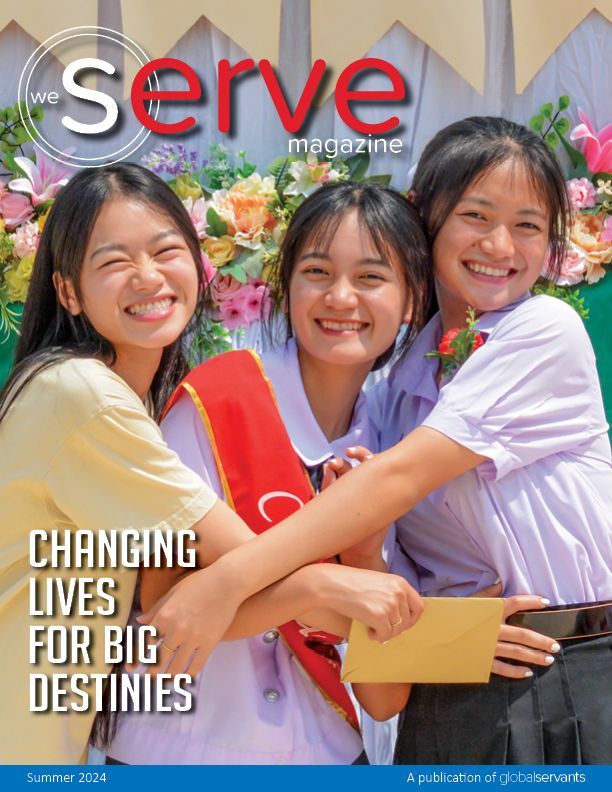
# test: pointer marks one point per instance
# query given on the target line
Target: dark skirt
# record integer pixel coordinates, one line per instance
(561, 715)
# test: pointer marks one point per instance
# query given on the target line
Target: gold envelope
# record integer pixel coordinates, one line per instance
(453, 641)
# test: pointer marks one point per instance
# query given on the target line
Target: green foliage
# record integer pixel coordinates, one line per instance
(279, 170)
(567, 294)
(216, 226)
(235, 270)
(358, 166)
(14, 132)
(210, 338)
(9, 319)
(554, 128)
(221, 170)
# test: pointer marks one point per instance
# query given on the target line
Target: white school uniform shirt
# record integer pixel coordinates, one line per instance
(253, 703)
(538, 512)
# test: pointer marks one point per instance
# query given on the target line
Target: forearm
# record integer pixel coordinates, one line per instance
(382, 700)
(300, 596)
(347, 512)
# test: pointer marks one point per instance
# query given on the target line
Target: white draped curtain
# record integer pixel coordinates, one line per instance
(438, 95)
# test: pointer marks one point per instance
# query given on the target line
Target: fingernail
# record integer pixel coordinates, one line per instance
(528, 673)
(549, 659)
(544, 601)
(352, 449)
(555, 647)
(369, 456)
(495, 582)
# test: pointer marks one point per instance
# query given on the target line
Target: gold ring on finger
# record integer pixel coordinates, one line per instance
(170, 649)
(395, 624)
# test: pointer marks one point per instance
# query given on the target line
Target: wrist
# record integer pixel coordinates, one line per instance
(230, 576)
(373, 561)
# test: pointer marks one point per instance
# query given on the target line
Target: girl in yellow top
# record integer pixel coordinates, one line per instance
(116, 281)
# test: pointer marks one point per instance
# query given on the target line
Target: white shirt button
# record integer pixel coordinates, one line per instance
(271, 695)
(270, 636)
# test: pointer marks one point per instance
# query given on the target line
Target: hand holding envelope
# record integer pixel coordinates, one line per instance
(453, 641)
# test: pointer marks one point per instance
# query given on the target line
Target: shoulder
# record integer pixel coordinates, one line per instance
(79, 388)
(541, 317)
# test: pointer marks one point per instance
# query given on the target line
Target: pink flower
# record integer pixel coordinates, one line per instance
(581, 193)
(597, 147)
(197, 211)
(232, 315)
(14, 208)
(207, 267)
(606, 234)
(25, 239)
(254, 302)
(573, 268)
(44, 178)
(225, 287)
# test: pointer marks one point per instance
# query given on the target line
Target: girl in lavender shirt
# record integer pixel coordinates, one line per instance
(523, 426)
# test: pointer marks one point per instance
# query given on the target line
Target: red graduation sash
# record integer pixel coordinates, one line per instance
(263, 480)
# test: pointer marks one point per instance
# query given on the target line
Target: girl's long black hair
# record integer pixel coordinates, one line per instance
(49, 333)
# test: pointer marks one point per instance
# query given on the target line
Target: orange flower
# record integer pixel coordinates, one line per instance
(246, 216)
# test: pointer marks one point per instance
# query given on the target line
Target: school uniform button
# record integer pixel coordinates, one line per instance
(270, 636)
(271, 695)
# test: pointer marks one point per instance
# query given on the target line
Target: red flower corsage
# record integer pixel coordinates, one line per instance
(456, 346)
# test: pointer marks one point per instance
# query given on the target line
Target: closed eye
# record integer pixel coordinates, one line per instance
(314, 271)
(530, 226)
(373, 276)
(473, 215)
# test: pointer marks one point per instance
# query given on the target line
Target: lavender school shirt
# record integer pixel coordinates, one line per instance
(538, 512)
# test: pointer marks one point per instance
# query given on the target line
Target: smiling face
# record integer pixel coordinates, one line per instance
(139, 281)
(346, 301)
(492, 246)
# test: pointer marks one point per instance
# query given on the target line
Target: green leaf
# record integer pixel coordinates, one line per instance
(235, 270)
(547, 110)
(536, 123)
(279, 169)
(216, 226)
(381, 178)
(251, 261)
(358, 165)
(552, 139)
(564, 103)
(11, 115)
(37, 113)
(576, 157)
(562, 125)
(20, 134)
(2, 115)
(9, 162)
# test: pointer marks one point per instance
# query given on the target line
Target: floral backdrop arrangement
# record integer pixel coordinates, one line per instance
(589, 188)
(240, 217)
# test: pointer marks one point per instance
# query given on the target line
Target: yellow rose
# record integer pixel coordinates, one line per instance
(220, 250)
(17, 286)
(186, 187)
(24, 270)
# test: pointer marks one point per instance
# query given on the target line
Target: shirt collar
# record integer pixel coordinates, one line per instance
(416, 374)
(487, 321)
(282, 368)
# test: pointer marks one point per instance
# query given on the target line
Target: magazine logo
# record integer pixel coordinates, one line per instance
(33, 90)
(101, 127)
